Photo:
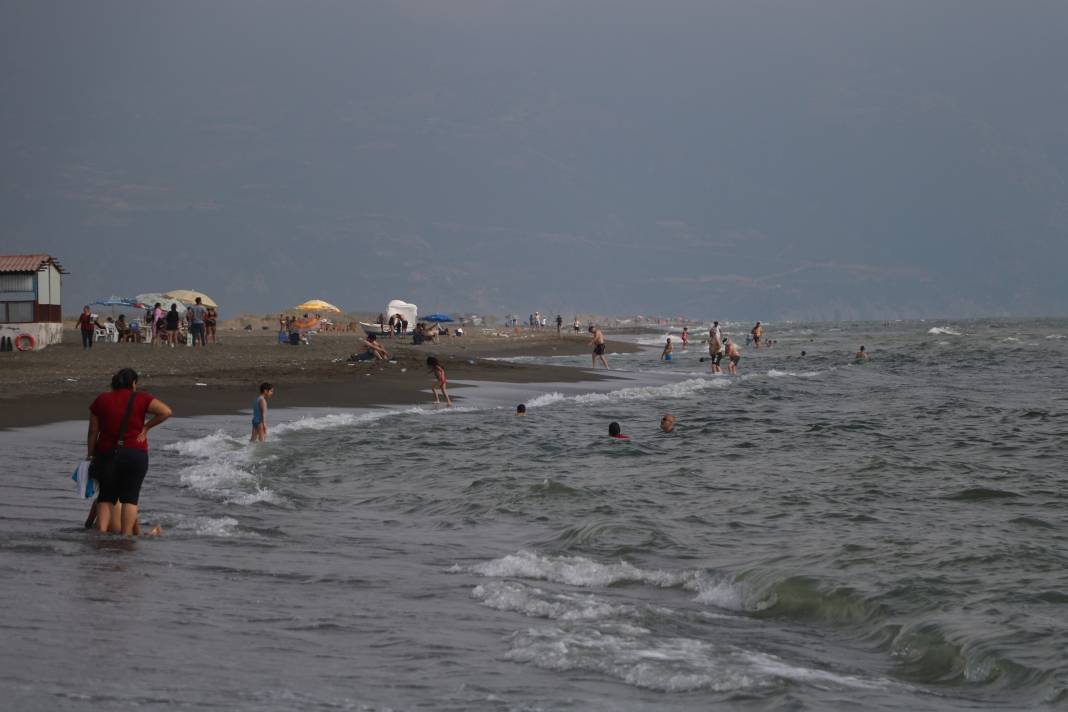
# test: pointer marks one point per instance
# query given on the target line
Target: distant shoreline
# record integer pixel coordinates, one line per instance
(58, 383)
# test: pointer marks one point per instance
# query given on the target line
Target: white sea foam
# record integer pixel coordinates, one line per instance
(537, 603)
(573, 570)
(207, 446)
(582, 572)
(680, 389)
(774, 373)
(943, 330)
(207, 526)
(261, 494)
(664, 664)
(1057, 336)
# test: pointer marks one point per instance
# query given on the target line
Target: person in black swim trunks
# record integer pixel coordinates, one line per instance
(597, 342)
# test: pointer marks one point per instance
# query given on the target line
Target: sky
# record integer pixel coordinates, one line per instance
(820, 159)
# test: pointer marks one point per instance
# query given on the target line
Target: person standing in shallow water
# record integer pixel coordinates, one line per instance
(117, 443)
(259, 413)
(733, 356)
(665, 355)
(758, 334)
(597, 342)
(440, 382)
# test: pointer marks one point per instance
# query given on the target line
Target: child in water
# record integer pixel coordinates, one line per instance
(259, 413)
(440, 381)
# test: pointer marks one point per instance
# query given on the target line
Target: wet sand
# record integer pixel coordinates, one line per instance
(59, 382)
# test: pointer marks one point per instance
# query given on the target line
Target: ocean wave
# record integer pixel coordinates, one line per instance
(675, 664)
(943, 330)
(537, 603)
(680, 389)
(207, 526)
(774, 373)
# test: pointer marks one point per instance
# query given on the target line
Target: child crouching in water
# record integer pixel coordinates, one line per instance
(259, 413)
(439, 380)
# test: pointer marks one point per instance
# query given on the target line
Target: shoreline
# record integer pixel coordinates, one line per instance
(58, 383)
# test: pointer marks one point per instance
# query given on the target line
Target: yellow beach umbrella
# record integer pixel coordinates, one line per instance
(189, 296)
(317, 305)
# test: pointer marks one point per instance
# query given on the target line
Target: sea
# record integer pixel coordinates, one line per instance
(817, 533)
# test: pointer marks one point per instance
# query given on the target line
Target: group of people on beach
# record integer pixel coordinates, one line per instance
(199, 323)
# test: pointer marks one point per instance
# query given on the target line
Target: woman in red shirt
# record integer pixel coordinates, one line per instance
(118, 445)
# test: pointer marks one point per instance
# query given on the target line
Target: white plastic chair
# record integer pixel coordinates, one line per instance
(111, 333)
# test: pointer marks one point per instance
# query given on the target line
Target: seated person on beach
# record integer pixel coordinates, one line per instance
(613, 431)
(521, 409)
(419, 334)
(123, 328)
(135, 332)
(667, 423)
(374, 350)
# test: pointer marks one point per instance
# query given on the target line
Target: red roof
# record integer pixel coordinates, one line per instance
(28, 263)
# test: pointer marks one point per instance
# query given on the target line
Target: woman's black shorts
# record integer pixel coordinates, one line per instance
(122, 483)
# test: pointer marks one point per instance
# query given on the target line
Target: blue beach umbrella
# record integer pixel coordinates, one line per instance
(440, 318)
(114, 301)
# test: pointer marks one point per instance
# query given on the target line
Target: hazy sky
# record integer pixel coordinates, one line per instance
(793, 159)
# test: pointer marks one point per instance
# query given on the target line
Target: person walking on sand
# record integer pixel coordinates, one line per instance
(117, 443)
(758, 334)
(440, 382)
(259, 413)
(87, 325)
(597, 342)
(733, 356)
(559, 324)
(665, 355)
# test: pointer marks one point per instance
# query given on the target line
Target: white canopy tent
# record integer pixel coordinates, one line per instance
(409, 311)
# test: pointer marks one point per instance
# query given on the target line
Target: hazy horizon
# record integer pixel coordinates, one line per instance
(827, 160)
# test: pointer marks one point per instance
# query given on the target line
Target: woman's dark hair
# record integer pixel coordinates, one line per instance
(158, 305)
(521, 408)
(432, 362)
(613, 428)
(174, 307)
(372, 338)
(265, 386)
(125, 378)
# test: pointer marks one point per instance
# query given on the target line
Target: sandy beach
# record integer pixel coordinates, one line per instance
(59, 382)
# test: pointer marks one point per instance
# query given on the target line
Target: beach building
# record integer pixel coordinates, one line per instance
(30, 300)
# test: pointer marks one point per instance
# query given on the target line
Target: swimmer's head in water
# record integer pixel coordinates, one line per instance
(613, 428)
(667, 423)
(521, 409)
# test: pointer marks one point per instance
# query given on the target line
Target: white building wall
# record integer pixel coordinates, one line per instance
(43, 333)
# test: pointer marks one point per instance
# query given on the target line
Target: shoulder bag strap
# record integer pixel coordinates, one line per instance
(125, 421)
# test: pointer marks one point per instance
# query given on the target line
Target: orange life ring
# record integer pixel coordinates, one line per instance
(25, 342)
